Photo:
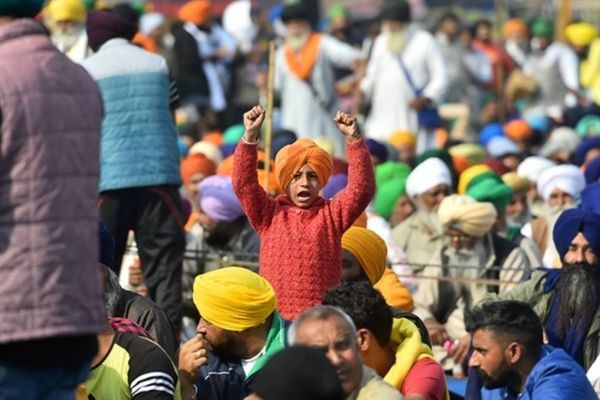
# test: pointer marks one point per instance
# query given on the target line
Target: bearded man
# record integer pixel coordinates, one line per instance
(567, 299)
(304, 77)
(406, 73)
(66, 21)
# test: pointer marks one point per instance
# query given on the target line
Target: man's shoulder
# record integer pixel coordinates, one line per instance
(373, 387)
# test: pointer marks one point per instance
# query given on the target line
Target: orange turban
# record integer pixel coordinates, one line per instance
(361, 221)
(196, 164)
(401, 138)
(196, 12)
(517, 130)
(294, 156)
(514, 26)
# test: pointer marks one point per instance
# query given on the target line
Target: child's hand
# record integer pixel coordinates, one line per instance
(347, 125)
(253, 120)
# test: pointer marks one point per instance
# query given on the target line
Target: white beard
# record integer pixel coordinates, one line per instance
(395, 40)
(64, 40)
(297, 42)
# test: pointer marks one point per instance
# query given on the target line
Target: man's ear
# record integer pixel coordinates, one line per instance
(514, 352)
(363, 337)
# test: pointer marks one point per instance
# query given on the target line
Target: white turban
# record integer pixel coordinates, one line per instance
(565, 177)
(209, 150)
(532, 167)
(428, 174)
(467, 215)
(501, 146)
(561, 138)
(151, 21)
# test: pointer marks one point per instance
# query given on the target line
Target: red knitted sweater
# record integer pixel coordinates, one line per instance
(300, 249)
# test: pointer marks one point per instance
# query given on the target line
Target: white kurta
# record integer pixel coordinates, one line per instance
(300, 110)
(385, 83)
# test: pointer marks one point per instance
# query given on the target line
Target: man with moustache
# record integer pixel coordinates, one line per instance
(510, 357)
(471, 252)
(567, 299)
(304, 77)
(239, 331)
(421, 234)
(406, 73)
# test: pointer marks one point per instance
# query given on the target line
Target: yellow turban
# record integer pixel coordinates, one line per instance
(467, 215)
(233, 298)
(471, 151)
(403, 138)
(369, 250)
(294, 156)
(519, 184)
(581, 33)
(66, 10)
(469, 174)
(196, 12)
(326, 145)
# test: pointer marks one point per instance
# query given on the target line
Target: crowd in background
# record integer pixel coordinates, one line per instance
(426, 214)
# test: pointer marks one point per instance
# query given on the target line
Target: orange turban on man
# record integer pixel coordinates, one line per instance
(196, 12)
(294, 156)
(196, 164)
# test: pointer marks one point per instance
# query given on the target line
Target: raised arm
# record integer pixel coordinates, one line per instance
(255, 202)
(354, 199)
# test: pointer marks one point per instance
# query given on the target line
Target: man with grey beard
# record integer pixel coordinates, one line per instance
(406, 74)
(567, 299)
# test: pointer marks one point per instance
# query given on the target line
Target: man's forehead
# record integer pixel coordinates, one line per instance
(580, 240)
(322, 331)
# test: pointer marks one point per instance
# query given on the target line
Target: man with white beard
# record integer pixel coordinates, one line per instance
(560, 187)
(304, 77)
(66, 21)
(405, 74)
(471, 252)
(421, 234)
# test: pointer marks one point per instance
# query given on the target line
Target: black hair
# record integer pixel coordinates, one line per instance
(481, 22)
(365, 305)
(448, 15)
(510, 319)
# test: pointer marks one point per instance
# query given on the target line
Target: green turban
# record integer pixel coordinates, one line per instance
(338, 11)
(20, 8)
(542, 27)
(387, 195)
(391, 170)
(489, 187)
(233, 134)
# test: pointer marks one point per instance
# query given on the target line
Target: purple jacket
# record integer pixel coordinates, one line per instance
(50, 119)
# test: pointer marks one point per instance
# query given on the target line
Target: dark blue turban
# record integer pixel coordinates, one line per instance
(590, 198)
(107, 247)
(573, 221)
(378, 150)
(592, 171)
(585, 146)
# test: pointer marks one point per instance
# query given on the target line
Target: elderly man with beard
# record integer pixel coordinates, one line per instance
(331, 330)
(66, 21)
(510, 357)
(560, 187)
(421, 234)
(567, 299)
(304, 77)
(472, 252)
(239, 331)
(405, 74)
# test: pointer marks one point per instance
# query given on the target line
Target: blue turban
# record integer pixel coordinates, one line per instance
(378, 150)
(335, 185)
(489, 132)
(107, 247)
(590, 198)
(573, 221)
(584, 147)
(20, 8)
(592, 171)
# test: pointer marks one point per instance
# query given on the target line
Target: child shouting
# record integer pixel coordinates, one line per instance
(300, 232)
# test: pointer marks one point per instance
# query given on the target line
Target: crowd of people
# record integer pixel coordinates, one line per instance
(417, 217)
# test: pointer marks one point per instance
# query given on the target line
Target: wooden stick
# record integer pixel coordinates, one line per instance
(563, 17)
(269, 117)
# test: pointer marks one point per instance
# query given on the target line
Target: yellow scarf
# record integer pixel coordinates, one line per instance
(410, 350)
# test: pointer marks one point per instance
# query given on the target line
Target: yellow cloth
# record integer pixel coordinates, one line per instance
(394, 292)
(369, 250)
(589, 71)
(233, 298)
(410, 349)
(469, 174)
(519, 184)
(471, 151)
(196, 12)
(66, 10)
(294, 156)
(581, 33)
(401, 138)
(326, 145)
(467, 215)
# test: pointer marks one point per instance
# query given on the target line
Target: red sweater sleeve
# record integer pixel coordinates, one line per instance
(354, 199)
(425, 378)
(255, 202)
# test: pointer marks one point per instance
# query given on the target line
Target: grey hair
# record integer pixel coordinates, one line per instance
(319, 313)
